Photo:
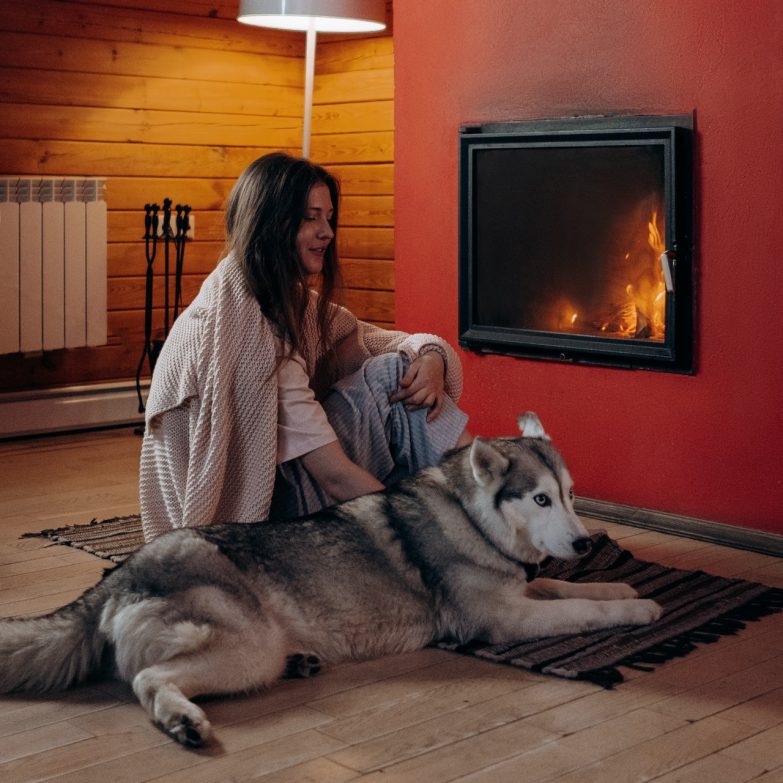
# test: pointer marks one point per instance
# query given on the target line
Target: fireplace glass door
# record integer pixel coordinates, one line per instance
(575, 243)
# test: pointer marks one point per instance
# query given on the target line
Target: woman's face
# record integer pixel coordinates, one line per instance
(315, 232)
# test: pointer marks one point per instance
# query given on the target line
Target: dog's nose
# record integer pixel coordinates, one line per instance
(582, 546)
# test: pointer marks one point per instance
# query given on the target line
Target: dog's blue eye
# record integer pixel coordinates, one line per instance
(542, 499)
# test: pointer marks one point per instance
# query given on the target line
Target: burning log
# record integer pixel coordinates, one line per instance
(643, 329)
(618, 319)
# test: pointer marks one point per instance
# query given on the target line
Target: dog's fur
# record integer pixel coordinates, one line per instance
(443, 554)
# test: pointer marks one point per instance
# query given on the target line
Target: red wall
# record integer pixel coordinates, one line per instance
(708, 445)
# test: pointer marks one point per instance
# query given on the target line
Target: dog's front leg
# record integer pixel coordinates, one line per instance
(532, 618)
(547, 589)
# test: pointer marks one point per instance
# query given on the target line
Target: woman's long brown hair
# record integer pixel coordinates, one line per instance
(264, 212)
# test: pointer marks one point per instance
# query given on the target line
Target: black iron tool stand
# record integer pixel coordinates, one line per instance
(153, 231)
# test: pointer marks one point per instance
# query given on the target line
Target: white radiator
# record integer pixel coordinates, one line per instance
(52, 263)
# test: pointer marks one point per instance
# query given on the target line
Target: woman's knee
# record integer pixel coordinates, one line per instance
(379, 377)
(391, 366)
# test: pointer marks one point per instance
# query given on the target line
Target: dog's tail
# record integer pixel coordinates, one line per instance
(55, 651)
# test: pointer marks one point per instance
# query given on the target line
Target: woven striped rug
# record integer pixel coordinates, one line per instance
(112, 539)
(699, 608)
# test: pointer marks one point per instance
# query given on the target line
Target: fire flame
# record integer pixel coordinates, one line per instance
(639, 310)
(650, 298)
(643, 314)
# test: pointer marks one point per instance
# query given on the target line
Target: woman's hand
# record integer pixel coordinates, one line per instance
(423, 385)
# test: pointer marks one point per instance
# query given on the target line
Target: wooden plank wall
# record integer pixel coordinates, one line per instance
(173, 99)
(353, 135)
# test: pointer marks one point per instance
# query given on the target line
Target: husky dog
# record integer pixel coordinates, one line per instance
(446, 554)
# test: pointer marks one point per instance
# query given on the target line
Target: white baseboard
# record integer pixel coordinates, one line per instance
(69, 408)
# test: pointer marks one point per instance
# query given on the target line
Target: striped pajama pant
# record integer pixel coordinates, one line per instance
(386, 440)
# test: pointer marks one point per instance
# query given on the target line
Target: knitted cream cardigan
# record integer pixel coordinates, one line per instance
(210, 441)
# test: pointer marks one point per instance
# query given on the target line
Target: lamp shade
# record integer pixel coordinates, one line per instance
(324, 16)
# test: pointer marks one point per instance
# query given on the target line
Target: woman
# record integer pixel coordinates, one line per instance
(269, 399)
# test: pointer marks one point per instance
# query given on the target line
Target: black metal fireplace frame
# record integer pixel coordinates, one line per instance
(675, 135)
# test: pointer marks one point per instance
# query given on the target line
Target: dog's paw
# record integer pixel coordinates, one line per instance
(192, 731)
(180, 718)
(609, 591)
(301, 666)
(625, 591)
(646, 611)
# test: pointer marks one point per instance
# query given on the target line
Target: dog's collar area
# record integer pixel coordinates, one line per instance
(531, 569)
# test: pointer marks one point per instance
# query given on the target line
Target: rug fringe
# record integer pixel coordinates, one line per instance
(75, 528)
(115, 540)
(728, 624)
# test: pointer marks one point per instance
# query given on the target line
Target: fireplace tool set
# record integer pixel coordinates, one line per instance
(155, 229)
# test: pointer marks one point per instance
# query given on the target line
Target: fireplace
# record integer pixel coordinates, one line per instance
(575, 240)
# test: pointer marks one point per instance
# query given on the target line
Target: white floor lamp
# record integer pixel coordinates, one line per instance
(312, 17)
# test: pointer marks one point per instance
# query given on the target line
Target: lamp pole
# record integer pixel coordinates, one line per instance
(308, 90)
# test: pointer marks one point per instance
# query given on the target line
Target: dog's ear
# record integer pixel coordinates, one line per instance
(487, 462)
(530, 426)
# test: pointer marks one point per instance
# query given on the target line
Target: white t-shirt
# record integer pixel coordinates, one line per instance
(302, 425)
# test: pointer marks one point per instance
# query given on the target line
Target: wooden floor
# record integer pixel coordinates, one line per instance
(431, 716)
